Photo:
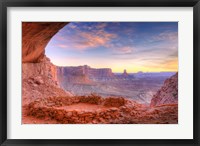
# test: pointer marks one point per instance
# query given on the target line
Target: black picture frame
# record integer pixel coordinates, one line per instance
(4, 4)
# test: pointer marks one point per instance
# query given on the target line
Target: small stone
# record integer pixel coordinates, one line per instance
(35, 85)
(69, 114)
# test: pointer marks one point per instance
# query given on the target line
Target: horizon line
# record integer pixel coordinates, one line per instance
(121, 71)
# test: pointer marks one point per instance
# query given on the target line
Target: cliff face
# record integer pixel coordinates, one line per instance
(35, 37)
(44, 68)
(39, 80)
(82, 74)
(168, 93)
(39, 75)
(85, 70)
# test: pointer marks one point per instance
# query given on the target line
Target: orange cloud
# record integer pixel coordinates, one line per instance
(168, 65)
(91, 40)
(172, 65)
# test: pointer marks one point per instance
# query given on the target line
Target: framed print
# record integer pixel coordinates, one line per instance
(99, 72)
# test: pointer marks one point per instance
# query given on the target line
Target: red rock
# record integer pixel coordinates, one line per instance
(82, 74)
(59, 115)
(112, 115)
(35, 37)
(168, 93)
(39, 81)
(69, 114)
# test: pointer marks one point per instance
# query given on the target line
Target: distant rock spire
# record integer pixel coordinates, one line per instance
(125, 73)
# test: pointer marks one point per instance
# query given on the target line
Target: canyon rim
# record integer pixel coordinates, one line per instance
(99, 73)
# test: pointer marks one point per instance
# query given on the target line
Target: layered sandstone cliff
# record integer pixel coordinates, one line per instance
(168, 93)
(82, 74)
(39, 75)
(39, 80)
(86, 71)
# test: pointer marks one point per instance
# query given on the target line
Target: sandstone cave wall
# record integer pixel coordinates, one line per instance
(35, 37)
(39, 75)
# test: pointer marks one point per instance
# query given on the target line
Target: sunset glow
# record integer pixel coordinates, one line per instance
(134, 46)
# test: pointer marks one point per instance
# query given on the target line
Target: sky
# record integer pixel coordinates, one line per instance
(134, 46)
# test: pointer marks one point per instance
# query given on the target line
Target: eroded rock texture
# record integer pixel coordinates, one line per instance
(39, 75)
(85, 72)
(35, 37)
(39, 80)
(97, 110)
(168, 93)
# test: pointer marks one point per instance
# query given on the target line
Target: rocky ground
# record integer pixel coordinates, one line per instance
(96, 110)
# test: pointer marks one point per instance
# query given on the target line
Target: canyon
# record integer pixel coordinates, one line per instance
(84, 80)
(47, 96)
(46, 101)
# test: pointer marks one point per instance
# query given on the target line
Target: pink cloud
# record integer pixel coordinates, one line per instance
(123, 50)
(126, 50)
(62, 46)
(72, 26)
(59, 38)
(88, 40)
(171, 36)
(101, 25)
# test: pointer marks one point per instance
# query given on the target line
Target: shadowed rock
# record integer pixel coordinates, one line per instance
(168, 93)
(35, 37)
